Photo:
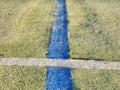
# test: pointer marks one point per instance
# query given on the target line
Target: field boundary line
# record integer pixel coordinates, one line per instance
(85, 64)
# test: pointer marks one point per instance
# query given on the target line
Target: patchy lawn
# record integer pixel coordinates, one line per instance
(25, 27)
(95, 79)
(94, 29)
(22, 78)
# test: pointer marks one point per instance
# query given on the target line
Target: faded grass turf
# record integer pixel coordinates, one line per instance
(22, 78)
(33, 78)
(95, 79)
(94, 29)
(25, 27)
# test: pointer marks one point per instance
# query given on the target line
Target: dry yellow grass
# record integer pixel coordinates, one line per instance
(94, 29)
(25, 27)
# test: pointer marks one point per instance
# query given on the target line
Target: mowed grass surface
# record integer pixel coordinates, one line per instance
(95, 79)
(22, 78)
(33, 78)
(94, 29)
(25, 27)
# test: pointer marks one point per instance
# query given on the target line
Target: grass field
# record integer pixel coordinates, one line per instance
(25, 27)
(95, 79)
(94, 29)
(22, 78)
(33, 78)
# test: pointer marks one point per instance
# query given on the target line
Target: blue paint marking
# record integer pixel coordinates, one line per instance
(58, 46)
(59, 78)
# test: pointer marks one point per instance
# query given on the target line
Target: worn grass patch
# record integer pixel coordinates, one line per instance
(25, 27)
(22, 78)
(95, 79)
(94, 28)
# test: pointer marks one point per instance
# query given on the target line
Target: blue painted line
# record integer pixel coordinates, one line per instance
(58, 46)
(59, 78)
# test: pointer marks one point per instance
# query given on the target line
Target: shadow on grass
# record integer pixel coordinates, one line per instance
(1, 55)
(92, 58)
(75, 87)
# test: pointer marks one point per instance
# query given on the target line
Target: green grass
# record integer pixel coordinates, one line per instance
(25, 27)
(95, 79)
(33, 78)
(94, 28)
(22, 78)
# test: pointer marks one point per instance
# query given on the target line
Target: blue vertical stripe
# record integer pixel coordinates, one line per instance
(59, 78)
(58, 46)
